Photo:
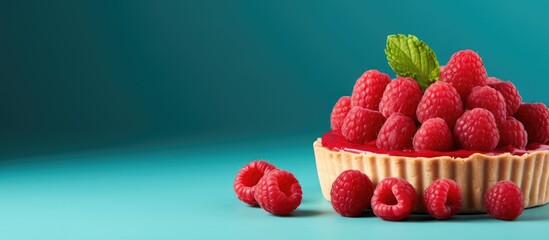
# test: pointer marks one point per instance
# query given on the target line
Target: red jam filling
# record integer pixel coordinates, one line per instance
(336, 142)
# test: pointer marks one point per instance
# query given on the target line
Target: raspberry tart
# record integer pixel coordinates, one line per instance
(432, 122)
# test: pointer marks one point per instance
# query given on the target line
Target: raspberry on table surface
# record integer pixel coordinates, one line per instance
(248, 177)
(504, 201)
(351, 193)
(442, 199)
(393, 199)
(278, 192)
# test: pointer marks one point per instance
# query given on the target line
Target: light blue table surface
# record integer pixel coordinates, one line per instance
(182, 191)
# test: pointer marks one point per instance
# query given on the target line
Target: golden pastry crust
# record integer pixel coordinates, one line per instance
(474, 174)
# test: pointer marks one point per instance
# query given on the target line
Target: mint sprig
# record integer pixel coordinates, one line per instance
(410, 57)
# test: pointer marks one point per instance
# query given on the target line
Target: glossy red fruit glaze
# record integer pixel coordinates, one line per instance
(402, 95)
(510, 94)
(442, 199)
(368, 89)
(489, 99)
(361, 125)
(278, 192)
(504, 201)
(535, 118)
(248, 177)
(512, 133)
(397, 133)
(336, 142)
(394, 199)
(464, 71)
(476, 129)
(440, 100)
(351, 193)
(435, 135)
(339, 112)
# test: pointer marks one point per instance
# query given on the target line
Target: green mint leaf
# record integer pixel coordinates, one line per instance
(410, 57)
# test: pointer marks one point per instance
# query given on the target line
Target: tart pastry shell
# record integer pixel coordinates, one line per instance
(475, 174)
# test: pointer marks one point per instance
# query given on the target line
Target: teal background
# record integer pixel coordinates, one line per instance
(81, 74)
(129, 119)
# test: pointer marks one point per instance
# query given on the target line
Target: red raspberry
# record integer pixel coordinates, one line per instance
(369, 88)
(361, 125)
(442, 199)
(440, 100)
(477, 130)
(339, 112)
(394, 199)
(464, 71)
(278, 192)
(435, 135)
(401, 96)
(510, 94)
(535, 118)
(504, 201)
(512, 133)
(489, 99)
(492, 80)
(351, 193)
(248, 177)
(396, 133)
